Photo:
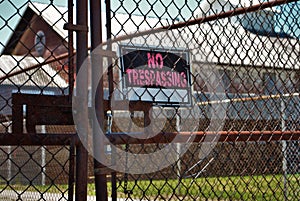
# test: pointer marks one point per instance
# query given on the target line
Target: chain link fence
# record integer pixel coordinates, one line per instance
(200, 100)
(35, 60)
(241, 59)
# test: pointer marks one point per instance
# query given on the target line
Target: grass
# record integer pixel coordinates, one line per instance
(266, 187)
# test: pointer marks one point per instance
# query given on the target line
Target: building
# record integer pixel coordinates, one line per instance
(25, 74)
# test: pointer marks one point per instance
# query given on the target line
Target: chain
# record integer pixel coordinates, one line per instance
(126, 190)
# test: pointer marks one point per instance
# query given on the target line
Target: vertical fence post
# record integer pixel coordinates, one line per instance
(97, 88)
(43, 157)
(81, 173)
(70, 51)
(71, 170)
(284, 147)
(82, 52)
(178, 149)
(111, 89)
(9, 162)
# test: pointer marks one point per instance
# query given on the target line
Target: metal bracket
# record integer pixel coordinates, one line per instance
(75, 27)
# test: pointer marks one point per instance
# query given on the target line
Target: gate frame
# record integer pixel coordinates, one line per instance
(39, 106)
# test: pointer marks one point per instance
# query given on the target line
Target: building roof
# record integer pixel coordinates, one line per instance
(41, 77)
(232, 44)
(54, 16)
(229, 41)
(57, 16)
(211, 7)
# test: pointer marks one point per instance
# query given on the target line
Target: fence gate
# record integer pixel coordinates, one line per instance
(41, 155)
(149, 100)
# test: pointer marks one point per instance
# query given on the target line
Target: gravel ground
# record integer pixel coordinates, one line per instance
(10, 195)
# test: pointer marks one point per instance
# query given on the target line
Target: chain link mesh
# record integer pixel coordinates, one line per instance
(229, 67)
(245, 65)
(34, 173)
(34, 60)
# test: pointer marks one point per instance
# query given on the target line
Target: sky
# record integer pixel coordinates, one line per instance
(289, 19)
(11, 10)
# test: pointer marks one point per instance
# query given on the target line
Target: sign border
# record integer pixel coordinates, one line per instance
(135, 47)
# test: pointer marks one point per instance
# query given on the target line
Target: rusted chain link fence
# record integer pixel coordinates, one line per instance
(213, 87)
(34, 60)
(241, 66)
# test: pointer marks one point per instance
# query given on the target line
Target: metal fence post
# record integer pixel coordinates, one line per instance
(284, 151)
(82, 52)
(96, 40)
